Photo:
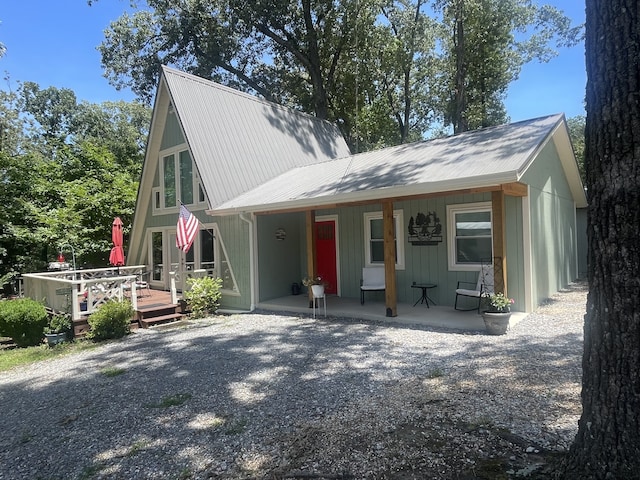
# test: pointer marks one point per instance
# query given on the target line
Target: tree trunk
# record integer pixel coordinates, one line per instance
(608, 441)
(460, 96)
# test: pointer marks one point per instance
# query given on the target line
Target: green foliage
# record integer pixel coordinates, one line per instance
(203, 296)
(67, 169)
(486, 44)
(576, 133)
(23, 320)
(15, 357)
(171, 401)
(59, 323)
(112, 371)
(111, 320)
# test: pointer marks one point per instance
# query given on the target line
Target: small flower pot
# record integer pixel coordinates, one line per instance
(496, 323)
(318, 290)
(55, 338)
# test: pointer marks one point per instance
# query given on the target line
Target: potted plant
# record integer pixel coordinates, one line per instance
(316, 284)
(59, 328)
(497, 313)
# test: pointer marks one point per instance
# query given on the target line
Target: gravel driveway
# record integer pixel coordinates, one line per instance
(268, 396)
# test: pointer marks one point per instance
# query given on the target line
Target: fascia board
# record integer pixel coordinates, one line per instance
(373, 195)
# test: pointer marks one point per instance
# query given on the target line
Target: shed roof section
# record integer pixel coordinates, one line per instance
(239, 141)
(480, 158)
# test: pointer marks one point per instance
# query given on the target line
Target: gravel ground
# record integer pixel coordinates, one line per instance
(263, 396)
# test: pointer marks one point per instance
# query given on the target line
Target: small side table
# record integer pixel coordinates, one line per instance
(424, 298)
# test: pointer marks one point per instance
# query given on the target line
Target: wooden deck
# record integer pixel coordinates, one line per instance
(154, 308)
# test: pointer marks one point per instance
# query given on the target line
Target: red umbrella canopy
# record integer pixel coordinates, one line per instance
(116, 258)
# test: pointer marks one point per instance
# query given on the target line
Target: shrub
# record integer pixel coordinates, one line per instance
(111, 320)
(203, 296)
(60, 323)
(23, 320)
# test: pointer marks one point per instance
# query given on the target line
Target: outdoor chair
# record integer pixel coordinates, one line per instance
(142, 284)
(372, 280)
(483, 286)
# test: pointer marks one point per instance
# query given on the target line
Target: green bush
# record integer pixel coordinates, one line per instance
(203, 296)
(23, 320)
(111, 320)
(60, 323)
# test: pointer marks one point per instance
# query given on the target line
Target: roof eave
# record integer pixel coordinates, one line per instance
(443, 187)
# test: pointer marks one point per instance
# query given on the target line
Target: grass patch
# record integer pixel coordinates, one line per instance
(112, 371)
(137, 447)
(435, 373)
(91, 471)
(237, 427)
(170, 401)
(15, 357)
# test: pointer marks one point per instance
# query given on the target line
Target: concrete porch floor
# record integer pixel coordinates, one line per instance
(434, 316)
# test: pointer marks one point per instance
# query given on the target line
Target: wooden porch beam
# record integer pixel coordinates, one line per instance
(311, 249)
(390, 292)
(499, 242)
(515, 189)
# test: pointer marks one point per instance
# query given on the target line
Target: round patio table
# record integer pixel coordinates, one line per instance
(424, 298)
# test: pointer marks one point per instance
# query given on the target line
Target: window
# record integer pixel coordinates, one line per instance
(374, 239)
(179, 181)
(469, 235)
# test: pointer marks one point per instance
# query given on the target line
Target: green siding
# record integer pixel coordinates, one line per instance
(172, 134)
(234, 233)
(553, 225)
(515, 252)
(280, 263)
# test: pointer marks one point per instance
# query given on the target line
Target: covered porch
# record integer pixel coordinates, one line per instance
(436, 316)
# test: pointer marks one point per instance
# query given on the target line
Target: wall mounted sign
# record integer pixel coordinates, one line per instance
(426, 229)
(281, 233)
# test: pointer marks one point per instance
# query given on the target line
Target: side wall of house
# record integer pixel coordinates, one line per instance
(553, 225)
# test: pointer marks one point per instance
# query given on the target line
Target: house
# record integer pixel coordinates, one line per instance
(280, 197)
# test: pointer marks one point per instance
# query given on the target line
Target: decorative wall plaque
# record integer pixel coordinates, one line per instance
(426, 229)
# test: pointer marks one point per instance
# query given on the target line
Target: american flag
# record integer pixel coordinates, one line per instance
(188, 227)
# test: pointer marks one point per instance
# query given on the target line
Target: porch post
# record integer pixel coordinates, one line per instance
(499, 242)
(390, 291)
(311, 249)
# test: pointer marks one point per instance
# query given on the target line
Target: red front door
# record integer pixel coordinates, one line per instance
(326, 254)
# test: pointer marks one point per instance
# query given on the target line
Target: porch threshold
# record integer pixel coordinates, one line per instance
(436, 316)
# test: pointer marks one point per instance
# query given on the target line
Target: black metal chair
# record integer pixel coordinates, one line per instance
(483, 286)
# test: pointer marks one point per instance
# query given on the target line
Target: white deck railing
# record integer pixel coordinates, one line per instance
(81, 292)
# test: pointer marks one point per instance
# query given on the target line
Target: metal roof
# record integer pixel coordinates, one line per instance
(486, 157)
(239, 142)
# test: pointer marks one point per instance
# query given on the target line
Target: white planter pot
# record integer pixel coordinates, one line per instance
(318, 290)
(55, 338)
(496, 323)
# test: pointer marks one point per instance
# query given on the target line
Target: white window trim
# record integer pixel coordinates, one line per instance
(452, 210)
(175, 151)
(398, 217)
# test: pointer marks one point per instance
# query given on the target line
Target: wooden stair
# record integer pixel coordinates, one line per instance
(158, 314)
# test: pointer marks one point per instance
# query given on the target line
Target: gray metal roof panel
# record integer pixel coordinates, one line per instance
(477, 158)
(245, 140)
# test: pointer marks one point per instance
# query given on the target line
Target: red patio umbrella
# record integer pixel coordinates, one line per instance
(116, 258)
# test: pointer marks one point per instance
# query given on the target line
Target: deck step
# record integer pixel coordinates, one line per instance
(159, 320)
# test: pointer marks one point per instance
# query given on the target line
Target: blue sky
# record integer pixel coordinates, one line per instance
(53, 43)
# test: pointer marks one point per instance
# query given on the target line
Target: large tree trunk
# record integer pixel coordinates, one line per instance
(608, 441)
(460, 123)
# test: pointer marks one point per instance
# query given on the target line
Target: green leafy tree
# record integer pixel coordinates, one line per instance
(576, 133)
(487, 44)
(69, 168)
